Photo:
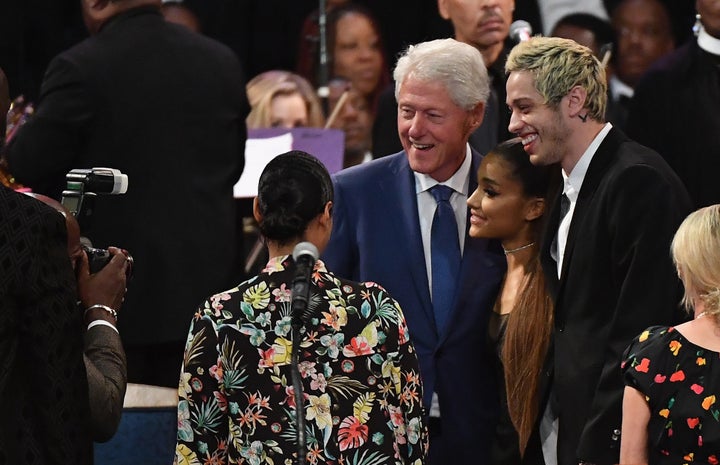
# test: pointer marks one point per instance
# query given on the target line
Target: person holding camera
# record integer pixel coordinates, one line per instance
(100, 295)
(43, 390)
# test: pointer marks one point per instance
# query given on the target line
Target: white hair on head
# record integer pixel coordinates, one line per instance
(459, 67)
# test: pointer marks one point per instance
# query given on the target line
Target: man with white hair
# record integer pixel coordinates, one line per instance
(401, 221)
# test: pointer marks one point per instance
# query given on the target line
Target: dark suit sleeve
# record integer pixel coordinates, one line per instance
(44, 148)
(107, 380)
(243, 108)
(341, 254)
(650, 206)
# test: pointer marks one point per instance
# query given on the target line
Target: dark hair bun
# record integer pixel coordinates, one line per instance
(293, 189)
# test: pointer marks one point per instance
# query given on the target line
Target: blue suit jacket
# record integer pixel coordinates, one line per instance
(376, 237)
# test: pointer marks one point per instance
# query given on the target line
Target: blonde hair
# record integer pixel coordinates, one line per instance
(696, 254)
(558, 65)
(264, 87)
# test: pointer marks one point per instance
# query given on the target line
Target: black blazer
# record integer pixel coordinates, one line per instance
(43, 388)
(674, 111)
(617, 279)
(167, 107)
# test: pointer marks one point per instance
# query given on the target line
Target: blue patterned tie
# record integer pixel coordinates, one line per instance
(445, 252)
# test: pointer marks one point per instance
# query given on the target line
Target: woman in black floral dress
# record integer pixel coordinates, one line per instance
(671, 407)
(361, 387)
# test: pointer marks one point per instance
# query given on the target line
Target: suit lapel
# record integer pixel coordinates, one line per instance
(400, 187)
(597, 169)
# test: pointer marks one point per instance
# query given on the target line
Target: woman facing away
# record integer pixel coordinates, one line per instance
(361, 393)
(508, 205)
(671, 413)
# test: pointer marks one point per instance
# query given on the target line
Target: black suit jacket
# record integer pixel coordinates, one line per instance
(167, 107)
(674, 111)
(617, 279)
(43, 389)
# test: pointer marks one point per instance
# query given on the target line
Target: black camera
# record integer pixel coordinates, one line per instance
(98, 258)
(83, 188)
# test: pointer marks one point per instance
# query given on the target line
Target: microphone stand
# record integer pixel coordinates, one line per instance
(323, 72)
(300, 317)
(300, 432)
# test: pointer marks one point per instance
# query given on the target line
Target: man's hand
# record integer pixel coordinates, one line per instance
(106, 287)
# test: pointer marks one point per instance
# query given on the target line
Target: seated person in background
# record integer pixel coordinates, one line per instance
(175, 11)
(674, 108)
(360, 374)
(588, 30)
(282, 99)
(103, 353)
(598, 35)
(308, 55)
(672, 376)
(509, 205)
(353, 117)
(355, 51)
(644, 34)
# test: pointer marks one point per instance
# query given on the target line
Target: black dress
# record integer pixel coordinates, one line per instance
(681, 382)
(505, 449)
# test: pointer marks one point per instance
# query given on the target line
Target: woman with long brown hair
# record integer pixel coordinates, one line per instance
(509, 205)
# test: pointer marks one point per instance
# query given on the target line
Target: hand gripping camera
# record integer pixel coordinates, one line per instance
(83, 188)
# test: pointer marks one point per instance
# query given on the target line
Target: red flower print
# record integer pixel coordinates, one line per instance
(352, 434)
(660, 378)
(358, 346)
(643, 366)
(697, 389)
(713, 460)
(677, 376)
(693, 422)
(216, 371)
(221, 400)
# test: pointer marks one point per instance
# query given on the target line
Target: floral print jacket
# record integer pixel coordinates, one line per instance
(360, 376)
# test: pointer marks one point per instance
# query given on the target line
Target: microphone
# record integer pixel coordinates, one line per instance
(520, 31)
(305, 254)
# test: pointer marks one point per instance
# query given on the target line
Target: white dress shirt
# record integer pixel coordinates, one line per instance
(573, 184)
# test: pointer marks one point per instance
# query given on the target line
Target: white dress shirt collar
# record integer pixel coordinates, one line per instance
(459, 181)
(576, 177)
(708, 43)
(620, 89)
